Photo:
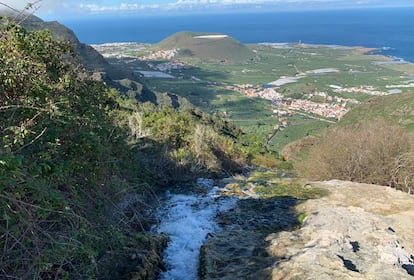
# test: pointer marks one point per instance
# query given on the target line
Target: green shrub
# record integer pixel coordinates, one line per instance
(370, 152)
(62, 161)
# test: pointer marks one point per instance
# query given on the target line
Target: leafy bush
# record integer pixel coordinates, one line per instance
(180, 145)
(62, 161)
(370, 152)
(71, 149)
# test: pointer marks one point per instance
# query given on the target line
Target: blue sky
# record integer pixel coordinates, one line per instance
(56, 9)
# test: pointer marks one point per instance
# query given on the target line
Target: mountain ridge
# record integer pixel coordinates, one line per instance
(88, 57)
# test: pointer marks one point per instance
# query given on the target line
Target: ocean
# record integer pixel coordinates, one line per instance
(389, 30)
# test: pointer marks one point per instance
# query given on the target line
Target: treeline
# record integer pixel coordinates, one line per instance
(80, 164)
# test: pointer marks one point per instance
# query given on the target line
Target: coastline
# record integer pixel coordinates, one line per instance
(375, 52)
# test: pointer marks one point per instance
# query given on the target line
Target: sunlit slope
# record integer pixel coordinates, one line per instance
(208, 47)
(397, 108)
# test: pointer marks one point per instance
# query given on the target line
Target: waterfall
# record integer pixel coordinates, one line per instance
(187, 219)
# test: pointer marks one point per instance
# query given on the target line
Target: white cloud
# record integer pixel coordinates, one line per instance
(70, 8)
(46, 6)
(42, 4)
(220, 4)
(178, 5)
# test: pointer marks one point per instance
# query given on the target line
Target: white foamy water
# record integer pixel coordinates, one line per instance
(187, 220)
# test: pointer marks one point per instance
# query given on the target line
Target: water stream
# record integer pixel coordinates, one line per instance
(187, 219)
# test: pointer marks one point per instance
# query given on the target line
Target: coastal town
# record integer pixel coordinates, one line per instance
(330, 104)
(335, 107)
(332, 107)
(161, 54)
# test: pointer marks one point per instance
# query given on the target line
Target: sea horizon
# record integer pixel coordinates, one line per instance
(387, 30)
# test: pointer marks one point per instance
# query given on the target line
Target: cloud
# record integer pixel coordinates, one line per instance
(177, 5)
(46, 6)
(193, 5)
(73, 8)
(42, 4)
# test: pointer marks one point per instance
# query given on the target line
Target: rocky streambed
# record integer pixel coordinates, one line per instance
(356, 231)
(218, 232)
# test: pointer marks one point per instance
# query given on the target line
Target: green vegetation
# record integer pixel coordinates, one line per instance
(204, 83)
(181, 145)
(194, 46)
(80, 164)
(373, 152)
(62, 162)
(300, 127)
(288, 189)
(268, 184)
(302, 217)
(396, 108)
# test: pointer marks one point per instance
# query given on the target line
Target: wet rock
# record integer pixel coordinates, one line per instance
(235, 255)
(265, 215)
(239, 251)
(135, 261)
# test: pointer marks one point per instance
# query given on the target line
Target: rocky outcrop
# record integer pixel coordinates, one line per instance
(357, 231)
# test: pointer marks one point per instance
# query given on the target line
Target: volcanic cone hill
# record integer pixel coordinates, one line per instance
(208, 47)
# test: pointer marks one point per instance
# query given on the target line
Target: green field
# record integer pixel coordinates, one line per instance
(299, 127)
(202, 82)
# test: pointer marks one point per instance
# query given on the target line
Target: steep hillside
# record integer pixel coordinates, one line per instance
(80, 165)
(208, 47)
(92, 60)
(397, 108)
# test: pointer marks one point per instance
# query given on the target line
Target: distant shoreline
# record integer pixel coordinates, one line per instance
(377, 52)
(387, 30)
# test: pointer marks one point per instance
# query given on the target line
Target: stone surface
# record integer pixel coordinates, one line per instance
(358, 231)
